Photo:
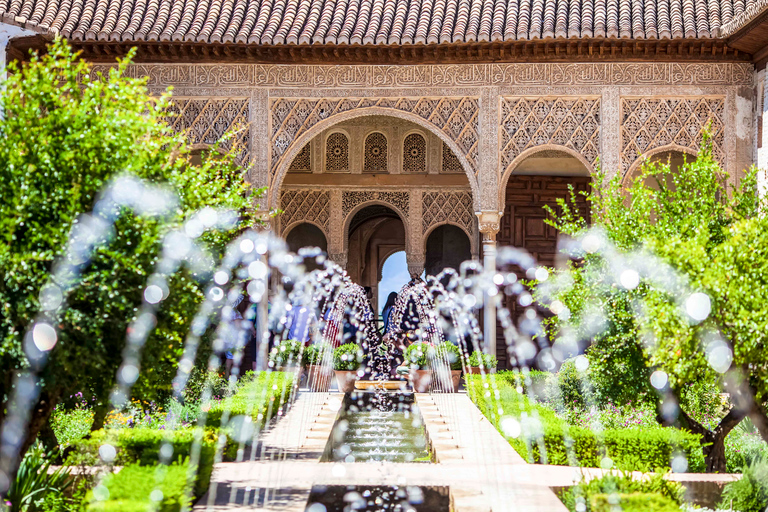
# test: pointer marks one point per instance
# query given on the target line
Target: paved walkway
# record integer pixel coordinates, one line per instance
(481, 469)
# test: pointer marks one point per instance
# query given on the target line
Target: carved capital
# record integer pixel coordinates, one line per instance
(488, 224)
(415, 264)
(339, 258)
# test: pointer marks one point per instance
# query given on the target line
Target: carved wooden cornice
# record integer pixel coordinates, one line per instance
(538, 50)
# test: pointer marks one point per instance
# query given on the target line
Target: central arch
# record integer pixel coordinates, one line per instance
(299, 142)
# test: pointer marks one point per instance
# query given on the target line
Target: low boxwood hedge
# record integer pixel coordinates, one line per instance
(141, 446)
(260, 396)
(634, 502)
(131, 490)
(637, 449)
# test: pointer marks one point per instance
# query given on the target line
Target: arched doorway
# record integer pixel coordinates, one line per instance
(375, 233)
(447, 247)
(306, 235)
(674, 157)
(537, 179)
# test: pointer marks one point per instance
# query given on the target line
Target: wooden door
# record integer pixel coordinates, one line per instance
(523, 224)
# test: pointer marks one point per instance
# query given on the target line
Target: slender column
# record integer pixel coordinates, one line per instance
(258, 174)
(414, 244)
(489, 226)
(488, 175)
(761, 135)
(610, 131)
(336, 250)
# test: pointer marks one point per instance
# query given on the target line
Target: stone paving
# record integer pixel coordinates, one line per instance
(481, 469)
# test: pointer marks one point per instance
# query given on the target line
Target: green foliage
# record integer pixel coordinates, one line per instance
(285, 354)
(71, 424)
(546, 438)
(34, 481)
(315, 353)
(478, 359)
(449, 353)
(742, 448)
(260, 397)
(750, 492)
(199, 378)
(652, 493)
(418, 355)
(531, 382)
(66, 132)
(142, 446)
(347, 357)
(131, 489)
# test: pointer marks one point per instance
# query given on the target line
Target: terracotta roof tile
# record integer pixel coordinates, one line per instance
(379, 22)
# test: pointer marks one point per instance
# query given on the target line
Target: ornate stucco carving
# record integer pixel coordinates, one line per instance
(440, 207)
(573, 123)
(456, 117)
(649, 123)
(213, 76)
(305, 205)
(352, 199)
(205, 121)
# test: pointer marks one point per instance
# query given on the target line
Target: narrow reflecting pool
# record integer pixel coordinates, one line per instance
(378, 427)
(347, 498)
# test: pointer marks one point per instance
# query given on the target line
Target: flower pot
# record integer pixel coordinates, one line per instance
(476, 370)
(420, 380)
(319, 377)
(455, 378)
(346, 380)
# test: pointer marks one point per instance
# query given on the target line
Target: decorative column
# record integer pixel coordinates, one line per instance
(415, 254)
(610, 131)
(488, 222)
(258, 118)
(336, 250)
(761, 132)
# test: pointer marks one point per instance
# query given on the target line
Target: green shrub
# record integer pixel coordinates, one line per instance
(573, 387)
(287, 353)
(131, 490)
(533, 382)
(633, 502)
(449, 352)
(487, 361)
(652, 493)
(417, 355)
(71, 424)
(742, 448)
(142, 446)
(347, 357)
(750, 492)
(315, 353)
(627, 448)
(260, 397)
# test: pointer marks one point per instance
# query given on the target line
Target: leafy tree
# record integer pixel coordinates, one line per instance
(714, 241)
(64, 136)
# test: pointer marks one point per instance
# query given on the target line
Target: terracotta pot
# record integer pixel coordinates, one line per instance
(455, 378)
(476, 370)
(319, 377)
(420, 380)
(346, 380)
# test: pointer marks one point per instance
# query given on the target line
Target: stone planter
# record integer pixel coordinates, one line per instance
(455, 378)
(346, 380)
(319, 377)
(420, 380)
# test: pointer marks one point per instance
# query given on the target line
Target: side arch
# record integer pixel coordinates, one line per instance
(651, 153)
(297, 144)
(470, 236)
(284, 230)
(519, 159)
(403, 216)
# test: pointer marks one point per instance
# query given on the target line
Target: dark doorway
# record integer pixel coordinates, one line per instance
(306, 235)
(523, 225)
(447, 247)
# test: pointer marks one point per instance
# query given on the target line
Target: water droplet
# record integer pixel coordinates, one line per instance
(581, 362)
(590, 244)
(542, 274)
(246, 246)
(50, 297)
(629, 279)
(107, 453)
(156, 495)
(698, 306)
(659, 379)
(257, 270)
(511, 427)
(153, 294)
(44, 336)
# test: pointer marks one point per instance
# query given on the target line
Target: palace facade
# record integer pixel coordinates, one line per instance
(438, 127)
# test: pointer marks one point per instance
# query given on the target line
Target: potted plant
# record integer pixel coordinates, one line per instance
(420, 375)
(319, 375)
(480, 362)
(285, 357)
(449, 353)
(346, 361)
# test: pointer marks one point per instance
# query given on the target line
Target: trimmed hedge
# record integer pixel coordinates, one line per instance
(141, 446)
(260, 396)
(130, 490)
(634, 502)
(639, 449)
